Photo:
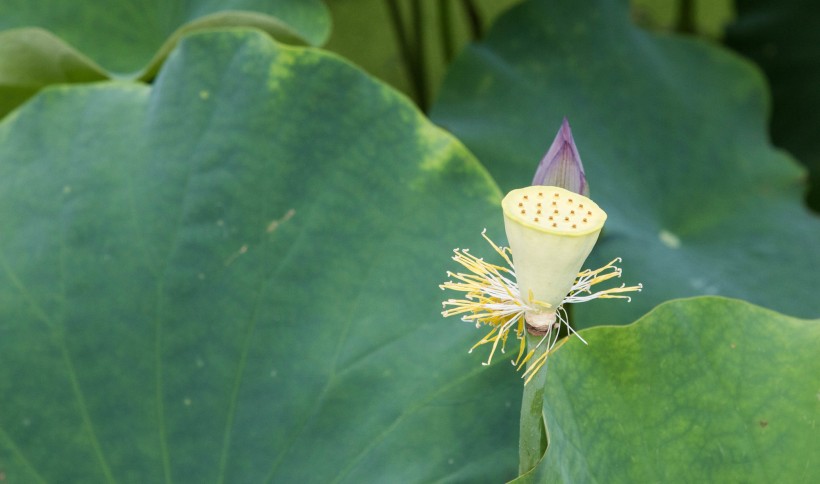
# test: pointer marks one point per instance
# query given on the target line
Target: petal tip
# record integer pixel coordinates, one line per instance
(562, 166)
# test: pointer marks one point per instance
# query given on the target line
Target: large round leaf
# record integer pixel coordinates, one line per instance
(783, 38)
(231, 276)
(701, 390)
(673, 138)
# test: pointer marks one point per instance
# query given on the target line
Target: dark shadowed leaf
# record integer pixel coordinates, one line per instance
(783, 38)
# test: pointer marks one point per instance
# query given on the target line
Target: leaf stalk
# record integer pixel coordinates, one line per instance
(532, 441)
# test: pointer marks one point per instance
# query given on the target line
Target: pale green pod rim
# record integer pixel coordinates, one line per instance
(553, 210)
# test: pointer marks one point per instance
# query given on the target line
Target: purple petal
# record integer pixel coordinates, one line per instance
(561, 166)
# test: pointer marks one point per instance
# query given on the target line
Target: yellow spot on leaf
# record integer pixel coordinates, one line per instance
(669, 239)
(274, 224)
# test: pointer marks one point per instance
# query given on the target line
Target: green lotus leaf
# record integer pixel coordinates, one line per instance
(232, 276)
(31, 59)
(700, 390)
(48, 42)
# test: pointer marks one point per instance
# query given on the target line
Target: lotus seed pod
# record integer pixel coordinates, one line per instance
(551, 231)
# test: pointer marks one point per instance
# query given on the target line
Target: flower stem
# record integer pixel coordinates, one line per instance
(532, 441)
(476, 28)
(446, 28)
(420, 67)
(410, 48)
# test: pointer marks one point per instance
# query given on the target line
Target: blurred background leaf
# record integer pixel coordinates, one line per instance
(672, 133)
(705, 18)
(699, 390)
(783, 38)
(409, 43)
(51, 42)
(31, 59)
(231, 276)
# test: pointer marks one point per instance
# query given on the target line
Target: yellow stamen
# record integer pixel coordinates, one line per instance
(492, 297)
